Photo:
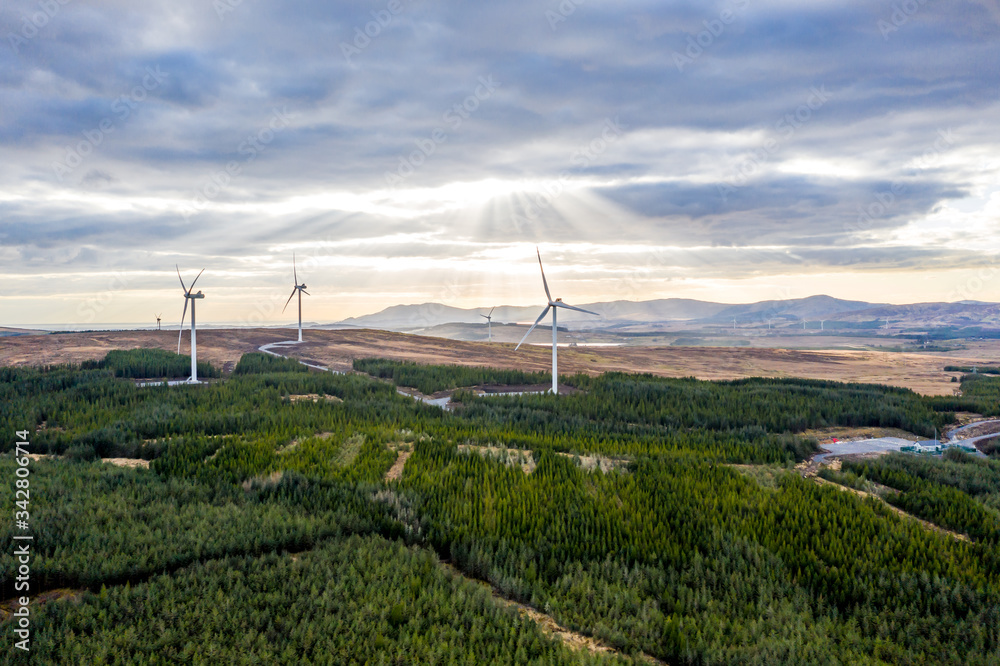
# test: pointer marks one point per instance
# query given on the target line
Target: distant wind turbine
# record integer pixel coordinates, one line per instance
(489, 322)
(553, 305)
(192, 297)
(301, 289)
(158, 322)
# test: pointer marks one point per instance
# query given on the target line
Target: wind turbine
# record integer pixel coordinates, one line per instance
(192, 297)
(553, 305)
(158, 322)
(489, 321)
(301, 289)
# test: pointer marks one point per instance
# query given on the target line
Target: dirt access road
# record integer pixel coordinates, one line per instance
(922, 372)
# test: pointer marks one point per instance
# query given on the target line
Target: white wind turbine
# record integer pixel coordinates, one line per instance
(489, 322)
(553, 305)
(301, 289)
(158, 322)
(192, 297)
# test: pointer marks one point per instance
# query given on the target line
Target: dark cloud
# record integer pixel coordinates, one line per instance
(789, 210)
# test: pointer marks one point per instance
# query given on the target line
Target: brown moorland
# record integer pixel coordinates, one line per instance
(922, 372)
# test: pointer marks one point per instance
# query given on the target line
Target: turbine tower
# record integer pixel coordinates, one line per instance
(553, 305)
(301, 289)
(192, 297)
(158, 321)
(489, 321)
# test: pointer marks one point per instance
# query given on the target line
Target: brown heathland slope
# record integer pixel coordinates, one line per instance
(336, 349)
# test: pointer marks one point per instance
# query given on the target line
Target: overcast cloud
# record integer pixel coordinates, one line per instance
(731, 151)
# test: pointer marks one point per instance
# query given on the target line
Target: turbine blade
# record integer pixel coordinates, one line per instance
(544, 283)
(295, 273)
(288, 301)
(491, 310)
(180, 278)
(196, 279)
(560, 304)
(306, 292)
(180, 331)
(540, 318)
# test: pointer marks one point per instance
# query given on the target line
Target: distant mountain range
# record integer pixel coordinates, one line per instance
(671, 312)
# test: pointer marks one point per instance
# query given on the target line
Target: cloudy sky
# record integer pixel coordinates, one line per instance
(410, 151)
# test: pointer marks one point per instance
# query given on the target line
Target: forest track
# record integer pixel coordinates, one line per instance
(396, 471)
(38, 600)
(573, 640)
(926, 524)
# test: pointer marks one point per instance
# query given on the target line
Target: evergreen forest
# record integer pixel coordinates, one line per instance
(282, 515)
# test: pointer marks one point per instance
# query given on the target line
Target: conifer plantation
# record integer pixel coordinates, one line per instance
(268, 530)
